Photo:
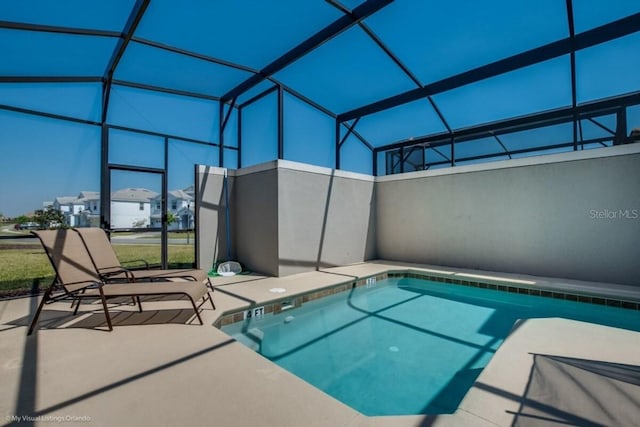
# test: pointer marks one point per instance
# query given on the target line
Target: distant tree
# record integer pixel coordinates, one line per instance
(22, 219)
(49, 218)
(171, 218)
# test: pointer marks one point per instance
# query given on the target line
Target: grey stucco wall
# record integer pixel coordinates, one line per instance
(255, 201)
(536, 219)
(210, 216)
(324, 219)
(253, 223)
(558, 216)
(286, 218)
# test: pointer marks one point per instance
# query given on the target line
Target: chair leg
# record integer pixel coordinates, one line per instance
(35, 318)
(195, 308)
(212, 303)
(106, 310)
(139, 303)
(76, 302)
(77, 306)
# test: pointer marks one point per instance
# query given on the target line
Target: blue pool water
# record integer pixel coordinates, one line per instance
(404, 346)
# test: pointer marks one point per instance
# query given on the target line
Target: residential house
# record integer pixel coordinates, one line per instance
(190, 190)
(90, 215)
(79, 211)
(179, 203)
(131, 208)
(70, 207)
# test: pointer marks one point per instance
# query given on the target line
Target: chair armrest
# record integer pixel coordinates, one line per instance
(109, 275)
(146, 264)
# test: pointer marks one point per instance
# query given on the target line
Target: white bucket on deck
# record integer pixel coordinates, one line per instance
(229, 268)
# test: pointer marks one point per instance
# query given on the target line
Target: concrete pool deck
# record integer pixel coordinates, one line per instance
(155, 370)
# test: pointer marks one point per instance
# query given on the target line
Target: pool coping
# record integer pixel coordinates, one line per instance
(593, 296)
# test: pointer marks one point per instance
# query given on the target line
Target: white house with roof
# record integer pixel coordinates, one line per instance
(131, 208)
(90, 215)
(179, 203)
(79, 211)
(70, 207)
(190, 190)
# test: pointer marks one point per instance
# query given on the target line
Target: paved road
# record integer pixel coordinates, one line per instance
(124, 240)
(10, 230)
(148, 241)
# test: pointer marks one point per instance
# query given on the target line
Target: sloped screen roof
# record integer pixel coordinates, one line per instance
(335, 83)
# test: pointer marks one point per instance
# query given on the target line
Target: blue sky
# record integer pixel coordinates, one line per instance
(42, 158)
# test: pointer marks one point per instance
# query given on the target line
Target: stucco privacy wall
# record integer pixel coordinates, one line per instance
(286, 217)
(211, 243)
(253, 217)
(325, 218)
(255, 199)
(573, 215)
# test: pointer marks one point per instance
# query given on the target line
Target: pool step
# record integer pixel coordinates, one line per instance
(252, 338)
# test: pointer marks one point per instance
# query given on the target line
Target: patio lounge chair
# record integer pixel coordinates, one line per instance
(77, 275)
(111, 270)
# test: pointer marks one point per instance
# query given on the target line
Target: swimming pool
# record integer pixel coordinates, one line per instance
(404, 345)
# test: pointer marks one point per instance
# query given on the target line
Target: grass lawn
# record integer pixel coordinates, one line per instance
(28, 266)
(22, 268)
(170, 234)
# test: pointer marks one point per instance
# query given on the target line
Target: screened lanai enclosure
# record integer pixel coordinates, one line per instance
(107, 106)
